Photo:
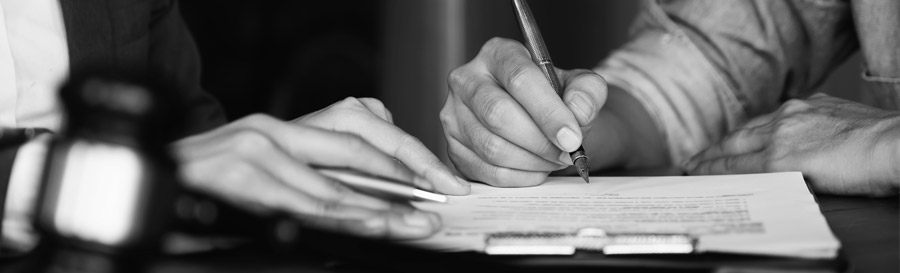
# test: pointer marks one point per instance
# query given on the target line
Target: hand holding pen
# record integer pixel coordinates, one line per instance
(270, 166)
(504, 122)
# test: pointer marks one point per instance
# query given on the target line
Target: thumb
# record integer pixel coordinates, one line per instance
(585, 93)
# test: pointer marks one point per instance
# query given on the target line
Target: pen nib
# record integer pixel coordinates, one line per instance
(581, 164)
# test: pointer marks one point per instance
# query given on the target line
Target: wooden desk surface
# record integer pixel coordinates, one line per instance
(869, 231)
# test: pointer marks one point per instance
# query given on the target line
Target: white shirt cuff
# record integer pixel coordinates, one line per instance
(21, 195)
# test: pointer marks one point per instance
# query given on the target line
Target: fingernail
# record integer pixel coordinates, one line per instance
(464, 185)
(582, 105)
(416, 219)
(568, 139)
(565, 158)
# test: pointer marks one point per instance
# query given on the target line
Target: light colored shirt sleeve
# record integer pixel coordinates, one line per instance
(702, 68)
(38, 63)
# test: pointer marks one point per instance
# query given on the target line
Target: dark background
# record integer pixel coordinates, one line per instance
(288, 57)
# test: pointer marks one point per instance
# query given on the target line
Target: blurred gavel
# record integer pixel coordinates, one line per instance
(108, 183)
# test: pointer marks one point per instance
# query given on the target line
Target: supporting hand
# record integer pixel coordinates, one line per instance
(264, 164)
(841, 147)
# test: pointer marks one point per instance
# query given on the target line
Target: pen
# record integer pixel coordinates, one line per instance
(380, 186)
(541, 57)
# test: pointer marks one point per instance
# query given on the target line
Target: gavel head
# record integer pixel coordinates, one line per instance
(108, 181)
(125, 108)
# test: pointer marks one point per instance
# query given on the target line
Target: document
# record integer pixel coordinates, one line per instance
(765, 214)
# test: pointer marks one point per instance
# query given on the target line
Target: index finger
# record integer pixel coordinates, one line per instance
(430, 172)
(323, 147)
(512, 67)
(735, 164)
(746, 140)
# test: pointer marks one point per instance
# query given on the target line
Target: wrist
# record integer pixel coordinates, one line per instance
(625, 135)
(645, 146)
(603, 142)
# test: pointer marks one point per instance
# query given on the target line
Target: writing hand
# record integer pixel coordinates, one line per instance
(264, 164)
(842, 147)
(504, 123)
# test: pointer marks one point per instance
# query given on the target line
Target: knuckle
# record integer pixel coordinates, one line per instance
(516, 75)
(235, 175)
(388, 116)
(377, 107)
(462, 83)
(447, 120)
(250, 142)
(372, 103)
(508, 45)
(784, 127)
(446, 115)
(494, 148)
(496, 112)
(457, 76)
(818, 96)
(255, 118)
(775, 158)
(737, 139)
(353, 142)
(795, 105)
(495, 43)
(349, 103)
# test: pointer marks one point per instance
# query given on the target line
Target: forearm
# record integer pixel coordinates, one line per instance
(874, 19)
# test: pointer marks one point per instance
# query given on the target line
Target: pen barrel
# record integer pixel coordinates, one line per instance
(533, 39)
(535, 44)
(550, 73)
(381, 186)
